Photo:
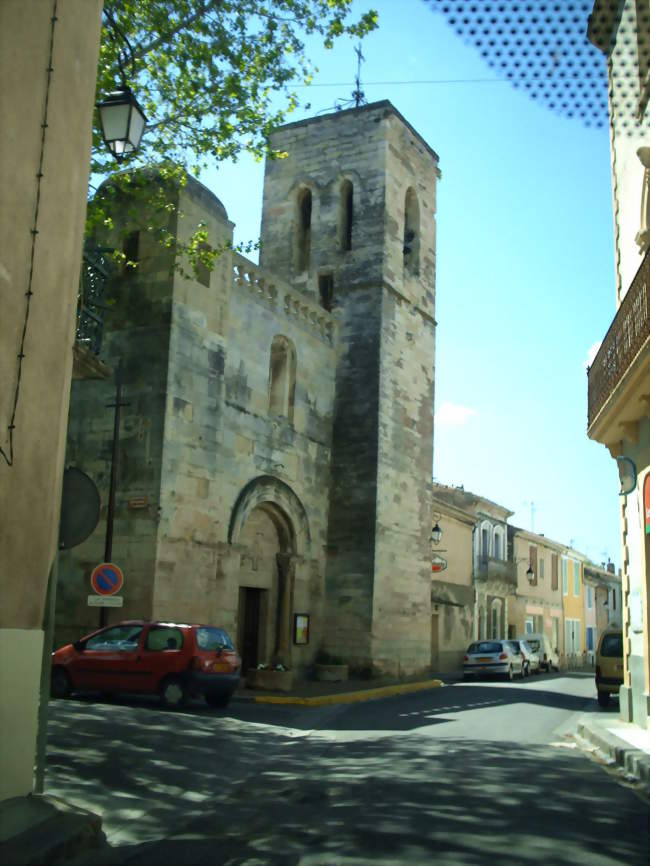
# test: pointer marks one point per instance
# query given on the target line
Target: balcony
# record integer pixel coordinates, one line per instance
(496, 569)
(91, 303)
(620, 369)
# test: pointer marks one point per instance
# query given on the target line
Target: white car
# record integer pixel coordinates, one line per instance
(485, 657)
(529, 656)
(539, 643)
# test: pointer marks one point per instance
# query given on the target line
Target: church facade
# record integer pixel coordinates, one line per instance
(276, 445)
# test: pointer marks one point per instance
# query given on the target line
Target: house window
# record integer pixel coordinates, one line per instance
(565, 576)
(541, 568)
(590, 599)
(326, 290)
(411, 233)
(303, 230)
(576, 578)
(345, 215)
(530, 625)
(282, 378)
(590, 638)
(497, 546)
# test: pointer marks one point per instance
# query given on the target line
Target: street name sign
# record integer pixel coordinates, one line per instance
(105, 601)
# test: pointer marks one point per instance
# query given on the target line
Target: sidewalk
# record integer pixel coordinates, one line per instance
(312, 693)
(619, 744)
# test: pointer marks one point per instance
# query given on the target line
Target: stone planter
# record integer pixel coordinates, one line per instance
(331, 673)
(269, 681)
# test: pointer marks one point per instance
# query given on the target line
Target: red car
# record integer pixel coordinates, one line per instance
(170, 659)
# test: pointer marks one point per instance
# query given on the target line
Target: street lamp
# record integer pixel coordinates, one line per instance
(436, 533)
(122, 121)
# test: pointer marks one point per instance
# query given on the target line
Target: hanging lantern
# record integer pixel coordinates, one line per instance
(122, 122)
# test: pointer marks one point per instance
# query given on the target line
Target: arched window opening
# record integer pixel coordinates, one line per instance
(495, 631)
(485, 543)
(411, 232)
(282, 378)
(497, 546)
(303, 233)
(346, 212)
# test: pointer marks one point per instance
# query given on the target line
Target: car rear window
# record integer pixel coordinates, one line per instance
(213, 639)
(485, 647)
(534, 645)
(612, 646)
(164, 637)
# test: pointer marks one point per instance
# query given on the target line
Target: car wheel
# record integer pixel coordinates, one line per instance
(173, 693)
(217, 700)
(603, 699)
(60, 683)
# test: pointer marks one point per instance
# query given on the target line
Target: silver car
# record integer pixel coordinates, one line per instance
(530, 659)
(495, 657)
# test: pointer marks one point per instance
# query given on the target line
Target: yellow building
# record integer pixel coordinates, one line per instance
(573, 608)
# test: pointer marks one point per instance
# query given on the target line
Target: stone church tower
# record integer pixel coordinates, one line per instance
(349, 218)
(275, 449)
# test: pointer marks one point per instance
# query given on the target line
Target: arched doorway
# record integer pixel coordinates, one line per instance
(267, 535)
(269, 528)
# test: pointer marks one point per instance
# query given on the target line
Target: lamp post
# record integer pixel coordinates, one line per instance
(122, 121)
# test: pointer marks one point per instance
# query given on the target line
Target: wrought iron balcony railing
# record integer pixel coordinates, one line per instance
(625, 337)
(496, 569)
(91, 301)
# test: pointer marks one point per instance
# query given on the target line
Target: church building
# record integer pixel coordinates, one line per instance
(276, 442)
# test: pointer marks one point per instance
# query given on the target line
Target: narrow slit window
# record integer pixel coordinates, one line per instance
(131, 250)
(411, 233)
(326, 290)
(303, 233)
(282, 378)
(202, 269)
(346, 215)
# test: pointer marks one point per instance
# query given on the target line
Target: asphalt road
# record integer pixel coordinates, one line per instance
(467, 774)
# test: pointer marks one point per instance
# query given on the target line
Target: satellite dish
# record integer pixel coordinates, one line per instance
(79, 508)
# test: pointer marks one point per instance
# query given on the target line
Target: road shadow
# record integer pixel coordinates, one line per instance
(176, 780)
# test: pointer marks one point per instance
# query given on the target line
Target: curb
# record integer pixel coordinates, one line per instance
(348, 697)
(635, 762)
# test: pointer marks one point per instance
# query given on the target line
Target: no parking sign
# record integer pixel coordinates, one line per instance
(107, 579)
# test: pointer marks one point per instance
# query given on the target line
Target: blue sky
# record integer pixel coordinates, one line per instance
(525, 270)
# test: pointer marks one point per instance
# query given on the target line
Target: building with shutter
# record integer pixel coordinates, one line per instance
(536, 603)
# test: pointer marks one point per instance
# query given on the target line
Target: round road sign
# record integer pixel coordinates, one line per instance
(107, 579)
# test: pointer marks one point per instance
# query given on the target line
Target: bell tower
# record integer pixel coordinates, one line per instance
(349, 219)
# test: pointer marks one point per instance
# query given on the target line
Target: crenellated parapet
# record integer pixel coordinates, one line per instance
(282, 299)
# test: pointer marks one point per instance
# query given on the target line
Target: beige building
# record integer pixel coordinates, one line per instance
(276, 451)
(48, 68)
(452, 582)
(619, 378)
(536, 603)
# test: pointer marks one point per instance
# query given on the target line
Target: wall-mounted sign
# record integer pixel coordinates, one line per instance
(136, 502)
(301, 629)
(438, 563)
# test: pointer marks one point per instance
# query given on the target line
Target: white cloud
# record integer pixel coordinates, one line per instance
(452, 415)
(591, 353)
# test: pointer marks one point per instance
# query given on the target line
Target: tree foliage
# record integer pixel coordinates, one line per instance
(214, 77)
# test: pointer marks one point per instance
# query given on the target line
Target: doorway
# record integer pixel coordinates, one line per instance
(250, 603)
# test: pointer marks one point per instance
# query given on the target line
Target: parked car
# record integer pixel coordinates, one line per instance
(609, 665)
(548, 658)
(164, 658)
(530, 658)
(492, 657)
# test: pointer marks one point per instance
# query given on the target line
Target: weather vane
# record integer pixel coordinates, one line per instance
(358, 96)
